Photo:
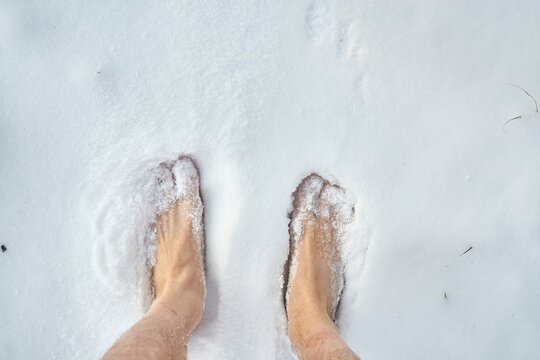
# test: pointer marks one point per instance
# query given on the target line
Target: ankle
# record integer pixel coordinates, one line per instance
(305, 324)
(308, 308)
(183, 310)
(313, 335)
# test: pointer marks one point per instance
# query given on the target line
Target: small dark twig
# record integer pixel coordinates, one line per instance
(445, 296)
(526, 92)
(466, 251)
(507, 121)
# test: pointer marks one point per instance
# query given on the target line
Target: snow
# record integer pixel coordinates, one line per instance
(403, 103)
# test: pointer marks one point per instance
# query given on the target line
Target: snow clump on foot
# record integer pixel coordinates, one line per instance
(187, 194)
(336, 212)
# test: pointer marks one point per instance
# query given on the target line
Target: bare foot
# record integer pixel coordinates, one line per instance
(315, 273)
(178, 274)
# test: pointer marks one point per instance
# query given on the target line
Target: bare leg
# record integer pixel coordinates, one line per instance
(312, 331)
(178, 277)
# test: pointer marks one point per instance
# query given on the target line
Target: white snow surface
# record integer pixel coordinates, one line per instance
(402, 102)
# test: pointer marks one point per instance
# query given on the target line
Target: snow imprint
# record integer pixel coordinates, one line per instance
(326, 25)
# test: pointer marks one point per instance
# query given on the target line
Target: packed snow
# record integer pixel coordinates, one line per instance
(403, 103)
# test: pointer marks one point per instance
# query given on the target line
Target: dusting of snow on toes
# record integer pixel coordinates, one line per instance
(305, 206)
(306, 201)
(335, 206)
(161, 189)
(187, 193)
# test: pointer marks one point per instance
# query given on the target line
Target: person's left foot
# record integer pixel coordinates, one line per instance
(178, 274)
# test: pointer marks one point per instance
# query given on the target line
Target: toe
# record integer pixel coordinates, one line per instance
(186, 176)
(308, 192)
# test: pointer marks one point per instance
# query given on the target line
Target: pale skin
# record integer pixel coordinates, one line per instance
(164, 331)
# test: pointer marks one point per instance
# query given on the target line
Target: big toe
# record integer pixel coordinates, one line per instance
(186, 176)
(307, 193)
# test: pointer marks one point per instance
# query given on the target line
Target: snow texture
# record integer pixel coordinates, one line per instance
(402, 101)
